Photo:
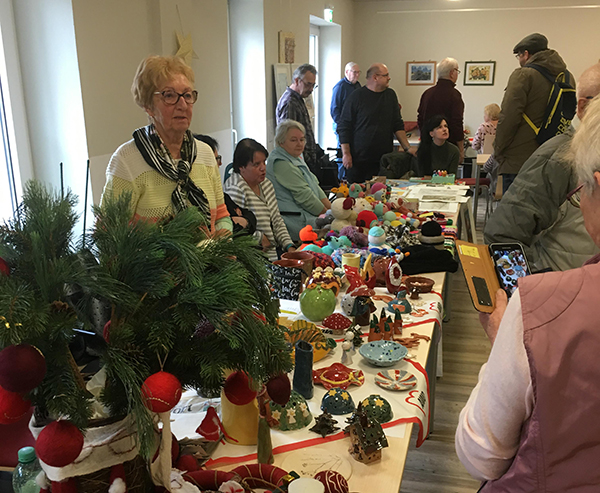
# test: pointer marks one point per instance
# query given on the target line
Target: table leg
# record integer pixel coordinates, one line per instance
(476, 196)
(431, 369)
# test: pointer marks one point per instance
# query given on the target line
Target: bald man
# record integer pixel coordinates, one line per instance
(370, 119)
(535, 210)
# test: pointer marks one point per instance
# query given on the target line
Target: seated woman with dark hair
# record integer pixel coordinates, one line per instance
(249, 187)
(435, 152)
(244, 220)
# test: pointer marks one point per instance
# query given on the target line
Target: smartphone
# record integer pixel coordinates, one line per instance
(510, 264)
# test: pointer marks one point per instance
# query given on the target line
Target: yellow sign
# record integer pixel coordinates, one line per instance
(469, 250)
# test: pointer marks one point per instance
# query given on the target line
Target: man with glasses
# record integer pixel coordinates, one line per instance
(444, 99)
(541, 208)
(524, 103)
(291, 106)
(370, 119)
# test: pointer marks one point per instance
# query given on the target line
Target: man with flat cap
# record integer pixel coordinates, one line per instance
(526, 95)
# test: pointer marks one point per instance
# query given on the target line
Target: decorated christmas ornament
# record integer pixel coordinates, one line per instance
(293, 416)
(279, 389)
(325, 425)
(12, 407)
(161, 391)
(4, 268)
(334, 482)
(211, 426)
(237, 389)
(204, 328)
(377, 408)
(22, 368)
(59, 443)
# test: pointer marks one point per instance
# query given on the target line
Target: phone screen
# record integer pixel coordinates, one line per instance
(511, 264)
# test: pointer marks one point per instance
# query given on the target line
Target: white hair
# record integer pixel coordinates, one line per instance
(349, 66)
(284, 127)
(585, 146)
(446, 66)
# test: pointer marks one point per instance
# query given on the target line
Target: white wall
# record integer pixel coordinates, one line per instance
(394, 32)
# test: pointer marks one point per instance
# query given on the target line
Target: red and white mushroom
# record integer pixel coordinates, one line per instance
(337, 322)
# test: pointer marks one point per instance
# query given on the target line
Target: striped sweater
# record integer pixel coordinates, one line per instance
(151, 192)
(264, 207)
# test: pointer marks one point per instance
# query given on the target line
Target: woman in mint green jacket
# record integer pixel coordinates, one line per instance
(299, 196)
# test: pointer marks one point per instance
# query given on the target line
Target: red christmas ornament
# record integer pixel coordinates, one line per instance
(334, 482)
(211, 425)
(4, 268)
(59, 443)
(237, 389)
(187, 463)
(162, 392)
(279, 389)
(12, 407)
(22, 368)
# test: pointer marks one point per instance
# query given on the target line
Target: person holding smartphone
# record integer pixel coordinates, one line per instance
(531, 423)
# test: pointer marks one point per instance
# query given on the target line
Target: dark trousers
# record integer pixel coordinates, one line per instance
(362, 171)
(507, 179)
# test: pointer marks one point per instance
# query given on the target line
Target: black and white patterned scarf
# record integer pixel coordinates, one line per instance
(158, 157)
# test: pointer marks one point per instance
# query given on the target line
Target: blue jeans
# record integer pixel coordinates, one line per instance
(507, 179)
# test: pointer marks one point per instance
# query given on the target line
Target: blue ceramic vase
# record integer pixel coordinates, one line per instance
(303, 380)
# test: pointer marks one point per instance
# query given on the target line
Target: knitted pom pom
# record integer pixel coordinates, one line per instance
(162, 392)
(59, 443)
(12, 407)
(279, 389)
(22, 368)
(237, 389)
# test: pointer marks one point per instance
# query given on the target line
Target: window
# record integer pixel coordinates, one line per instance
(8, 194)
(313, 59)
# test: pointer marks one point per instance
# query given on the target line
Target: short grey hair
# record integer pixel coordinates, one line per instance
(349, 66)
(284, 127)
(585, 146)
(446, 66)
(302, 69)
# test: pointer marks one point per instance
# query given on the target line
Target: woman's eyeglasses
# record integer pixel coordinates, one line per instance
(574, 196)
(171, 97)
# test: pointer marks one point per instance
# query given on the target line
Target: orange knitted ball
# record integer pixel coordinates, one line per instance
(12, 407)
(59, 443)
(161, 391)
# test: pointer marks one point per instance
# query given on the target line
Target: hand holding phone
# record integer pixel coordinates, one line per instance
(510, 264)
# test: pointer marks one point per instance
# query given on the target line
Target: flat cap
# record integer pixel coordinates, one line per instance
(533, 43)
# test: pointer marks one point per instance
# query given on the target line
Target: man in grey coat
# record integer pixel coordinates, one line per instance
(535, 211)
(526, 95)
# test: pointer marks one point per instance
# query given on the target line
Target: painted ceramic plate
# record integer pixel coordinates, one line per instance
(395, 380)
(338, 375)
(383, 353)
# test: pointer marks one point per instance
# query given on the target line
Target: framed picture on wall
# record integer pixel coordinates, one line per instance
(479, 73)
(420, 73)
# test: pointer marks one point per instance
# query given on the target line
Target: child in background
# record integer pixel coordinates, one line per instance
(490, 119)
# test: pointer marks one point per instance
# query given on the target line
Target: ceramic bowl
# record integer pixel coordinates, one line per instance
(423, 284)
(383, 353)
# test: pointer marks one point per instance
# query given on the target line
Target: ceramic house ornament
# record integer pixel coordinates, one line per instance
(366, 437)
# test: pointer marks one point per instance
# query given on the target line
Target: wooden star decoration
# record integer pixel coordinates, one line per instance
(186, 49)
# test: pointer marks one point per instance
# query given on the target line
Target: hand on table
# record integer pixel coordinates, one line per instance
(491, 321)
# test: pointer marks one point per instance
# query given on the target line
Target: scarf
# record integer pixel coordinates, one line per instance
(158, 157)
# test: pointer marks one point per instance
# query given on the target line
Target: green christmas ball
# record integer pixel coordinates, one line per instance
(377, 408)
(318, 303)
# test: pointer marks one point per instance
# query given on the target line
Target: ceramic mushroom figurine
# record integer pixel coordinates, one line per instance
(337, 323)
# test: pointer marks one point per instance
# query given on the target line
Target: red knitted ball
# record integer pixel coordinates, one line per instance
(334, 482)
(237, 389)
(162, 392)
(12, 407)
(22, 368)
(59, 443)
(188, 463)
(279, 389)
(4, 268)
(365, 218)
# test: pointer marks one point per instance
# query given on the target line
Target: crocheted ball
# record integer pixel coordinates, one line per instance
(365, 218)
(334, 482)
(377, 408)
(22, 368)
(161, 391)
(59, 443)
(237, 389)
(279, 389)
(293, 416)
(12, 407)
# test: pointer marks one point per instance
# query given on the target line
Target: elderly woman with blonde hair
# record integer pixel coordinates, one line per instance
(163, 167)
(299, 196)
(531, 423)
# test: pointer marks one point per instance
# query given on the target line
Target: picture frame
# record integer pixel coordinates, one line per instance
(420, 73)
(287, 47)
(480, 73)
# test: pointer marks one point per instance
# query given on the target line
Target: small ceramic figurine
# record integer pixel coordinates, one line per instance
(348, 348)
(377, 244)
(366, 437)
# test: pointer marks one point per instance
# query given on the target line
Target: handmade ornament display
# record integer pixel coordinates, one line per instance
(161, 392)
(308, 332)
(357, 300)
(377, 408)
(22, 368)
(13, 406)
(211, 426)
(59, 443)
(385, 328)
(395, 380)
(337, 323)
(337, 401)
(325, 424)
(333, 481)
(400, 303)
(366, 437)
(324, 277)
(317, 303)
(279, 389)
(338, 375)
(294, 415)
